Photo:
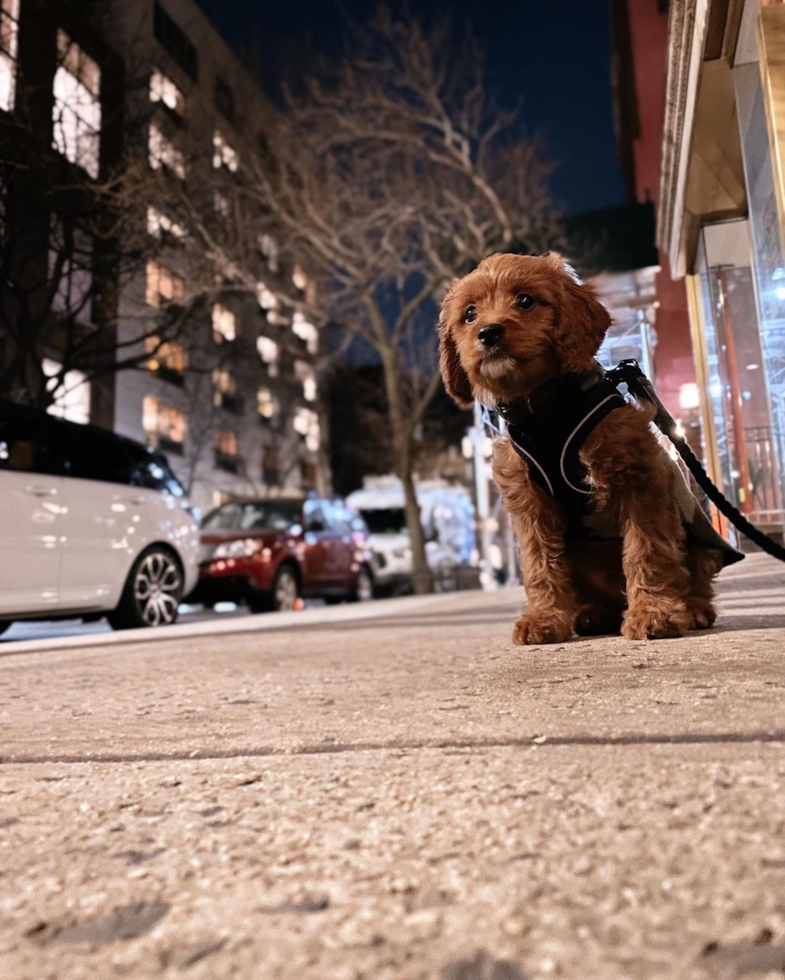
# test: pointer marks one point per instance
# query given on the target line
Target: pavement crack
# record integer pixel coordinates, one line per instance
(776, 736)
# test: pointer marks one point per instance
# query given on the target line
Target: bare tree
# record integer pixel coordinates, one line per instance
(389, 174)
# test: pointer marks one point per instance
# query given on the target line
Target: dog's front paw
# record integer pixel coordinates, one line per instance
(702, 613)
(538, 627)
(656, 621)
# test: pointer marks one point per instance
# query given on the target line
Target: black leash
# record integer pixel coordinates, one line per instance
(629, 372)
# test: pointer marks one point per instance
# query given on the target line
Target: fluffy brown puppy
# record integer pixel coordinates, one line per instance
(521, 332)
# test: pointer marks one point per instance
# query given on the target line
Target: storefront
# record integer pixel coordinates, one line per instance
(721, 221)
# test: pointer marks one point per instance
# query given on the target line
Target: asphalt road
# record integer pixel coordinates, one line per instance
(394, 791)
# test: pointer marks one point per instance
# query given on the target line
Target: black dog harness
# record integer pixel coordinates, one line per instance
(549, 441)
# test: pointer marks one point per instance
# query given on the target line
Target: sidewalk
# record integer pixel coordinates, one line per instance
(399, 796)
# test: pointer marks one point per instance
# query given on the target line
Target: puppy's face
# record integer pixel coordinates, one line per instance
(514, 323)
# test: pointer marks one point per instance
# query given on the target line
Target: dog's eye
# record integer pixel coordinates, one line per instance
(524, 301)
(470, 315)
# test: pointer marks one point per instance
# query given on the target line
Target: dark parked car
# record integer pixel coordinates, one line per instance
(271, 552)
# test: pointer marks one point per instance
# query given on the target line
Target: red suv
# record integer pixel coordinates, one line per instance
(268, 553)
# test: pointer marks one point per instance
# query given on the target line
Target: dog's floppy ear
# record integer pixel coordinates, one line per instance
(581, 319)
(456, 381)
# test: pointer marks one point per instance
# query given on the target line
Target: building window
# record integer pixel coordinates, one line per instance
(306, 424)
(268, 351)
(168, 359)
(224, 324)
(164, 90)
(221, 203)
(306, 375)
(223, 154)
(271, 474)
(163, 425)
(163, 285)
(305, 331)
(225, 390)
(268, 246)
(268, 302)
(265, 404)
(163, 153)
(72, 401)
(176, 41)
(73, 266)
(76, 113)
(160, 225)
(226, 457)
(224, 99)
(9, 33)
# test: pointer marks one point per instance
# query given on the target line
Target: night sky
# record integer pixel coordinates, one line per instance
(556, 56)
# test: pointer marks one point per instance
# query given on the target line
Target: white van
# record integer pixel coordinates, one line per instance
(91, 524)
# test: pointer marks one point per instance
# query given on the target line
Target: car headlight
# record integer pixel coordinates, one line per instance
(402, 553)
(239, 549)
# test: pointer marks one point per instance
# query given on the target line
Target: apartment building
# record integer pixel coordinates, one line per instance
(216, 377)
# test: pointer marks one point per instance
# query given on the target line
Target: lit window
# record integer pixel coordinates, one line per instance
(221, 203)
(163, 285)
(298, 277)
(305, 331)
(306, 423)
(268, 246)
(226, 442)
(268, 351)
(265, 403)
(169, 357)
(163, 425)
(73, 392)
(77, 107)
(72, 264)
(9, 15)
(164, 90)
(224, 324)
(163, 153)
(268, 301)
(223, 154)
(306, 376)
(159, 224)
(225, 389)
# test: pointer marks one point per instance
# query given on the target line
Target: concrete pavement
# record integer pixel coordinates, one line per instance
(398, 792)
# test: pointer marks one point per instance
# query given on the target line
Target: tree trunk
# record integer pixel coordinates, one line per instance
(401, 437)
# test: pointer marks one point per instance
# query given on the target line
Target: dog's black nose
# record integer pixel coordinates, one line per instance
(489, 336)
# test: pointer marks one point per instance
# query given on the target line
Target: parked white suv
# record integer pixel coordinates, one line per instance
(91, 524)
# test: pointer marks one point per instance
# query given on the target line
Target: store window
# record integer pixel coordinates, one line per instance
(76, 111)
(163, 286)
(9, 34)
(767, 438)
(734, 361)
(164, 426)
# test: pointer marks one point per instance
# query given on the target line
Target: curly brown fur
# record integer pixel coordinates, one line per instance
(647, 585)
